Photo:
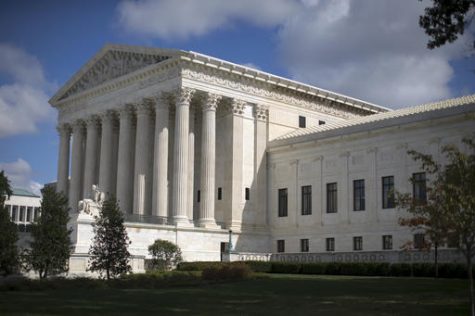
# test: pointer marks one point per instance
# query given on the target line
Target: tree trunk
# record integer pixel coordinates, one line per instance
(436, 259)
(470, 277)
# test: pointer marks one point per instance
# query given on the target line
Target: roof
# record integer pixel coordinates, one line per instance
(189, 56)
(405, 115)
(23, 192)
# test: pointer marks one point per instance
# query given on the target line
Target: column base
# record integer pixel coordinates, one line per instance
(182, 221)
(235, 226)
(208, 223)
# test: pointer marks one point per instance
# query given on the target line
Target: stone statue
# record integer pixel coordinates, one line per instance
(92, 206)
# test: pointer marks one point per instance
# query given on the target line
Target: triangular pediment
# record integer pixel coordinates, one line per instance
(113, 61)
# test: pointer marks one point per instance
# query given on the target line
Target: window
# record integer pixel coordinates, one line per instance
(29, 214)
(330, 243)
(358, 195)
(248, 194)
(304, 245)
(387, 242)
(321, 122)
(388, 192)
(220, 193)
(22, 213)
(331, 197)
(358, 243)
(282, 202)
(419, 241)
(302, 121)
(14, 213)
(419, 187)
(281, 245)
(198, 196)
(307, 200)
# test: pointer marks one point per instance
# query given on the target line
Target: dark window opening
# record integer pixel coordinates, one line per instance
(304, 245)
(307, 200)
(387, 242)
(357, 243)
(419, 187)
(282, 202)
(302, 121)
(332, 197)
(198, 196)
(220, 193)
(358, 195)
(330, 244)
(248, 194)
(281, 245)
(388, 192)
(321, 122)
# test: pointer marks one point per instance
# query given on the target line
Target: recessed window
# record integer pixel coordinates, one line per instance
(304, 245)
(358, 195)
(281, 245)
(248, 194)
(282, 202)
(419, 241)
(198, 196)
(302, 121)
(357, 243)
(306, 200)
(332, 197)
(29, 214)
(14, 213)
(387, 242)
(388, 191)
(220, 193)
(22, 213)
(330, 244)
(419, 188)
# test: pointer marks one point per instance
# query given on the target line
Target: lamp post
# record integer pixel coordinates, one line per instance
(230, 244)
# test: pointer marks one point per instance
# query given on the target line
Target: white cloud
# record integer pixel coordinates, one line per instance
(171, 19)
(24, 100)
(20, 175)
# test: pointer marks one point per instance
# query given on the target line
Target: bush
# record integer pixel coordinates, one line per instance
(314, 268)
(165, 255)
(198, 265)
(400, 269)
(259, 266)
(238, 271)
(285, 267)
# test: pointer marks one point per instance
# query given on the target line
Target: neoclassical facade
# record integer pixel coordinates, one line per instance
(194, 147)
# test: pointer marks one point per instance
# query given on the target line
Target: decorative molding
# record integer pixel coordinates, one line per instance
(93, 121)
(64, 128)
(261, 111)
(78, 126)
(183, 95)
(210, 102)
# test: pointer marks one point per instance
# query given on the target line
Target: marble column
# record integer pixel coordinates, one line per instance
(191, 163)
(208, 161)
(260, 164)
(92, 146)
(75, 187)
(106, 158)
(125, 163)
(143, 159)
(180, 164)
(64, 131)
(160, 161)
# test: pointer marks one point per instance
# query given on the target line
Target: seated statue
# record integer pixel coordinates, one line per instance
(92, 206)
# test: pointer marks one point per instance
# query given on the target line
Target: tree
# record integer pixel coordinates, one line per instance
(165, 254)
(51, 245)
(446, 20)
(109, 253)
(8, 231)
(451, 207)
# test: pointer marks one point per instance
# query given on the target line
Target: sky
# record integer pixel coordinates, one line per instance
(373, 50)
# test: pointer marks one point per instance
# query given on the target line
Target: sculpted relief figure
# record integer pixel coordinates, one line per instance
(92, 206)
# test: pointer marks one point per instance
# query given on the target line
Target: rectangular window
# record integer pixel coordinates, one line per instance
(358, 195)
(282, 202)
(198, 196)
(248, 194)
(419, 187)
(22, 213)
(306, 200)
(220, 193)
(388, 191)
(281, 245)
(357, 243)
(302, 121)
(331, 197)
(387, 242)
(14, 213)
(29, 214)
(304, 245)
(330, 243)
(419, 242)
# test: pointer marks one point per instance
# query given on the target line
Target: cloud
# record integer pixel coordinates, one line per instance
(24, 98)
(171, 19)
(20, 175)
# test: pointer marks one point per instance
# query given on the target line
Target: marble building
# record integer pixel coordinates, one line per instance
(194, 147)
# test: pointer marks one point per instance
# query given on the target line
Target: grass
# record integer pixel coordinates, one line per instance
(273, 295)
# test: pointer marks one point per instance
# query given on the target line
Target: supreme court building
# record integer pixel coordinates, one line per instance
(200, 151)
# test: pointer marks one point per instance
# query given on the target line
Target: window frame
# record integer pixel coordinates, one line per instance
(304, 245)
(359, 198)
(302, 121)
(419, 188)
(387, 242)
(220, 194)
(280, 245)
(282, 208)
(332, 197)
(357, 243)
(306, 200)
(387, 191)
(330, 244)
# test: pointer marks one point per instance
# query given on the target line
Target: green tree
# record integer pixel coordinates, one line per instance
(451, 207)
(446, 20)
(109, 253)
(8, 231)
(51, 245)
(165, 254)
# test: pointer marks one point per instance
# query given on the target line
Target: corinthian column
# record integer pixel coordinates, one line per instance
(160, 166)
(208, 161)
(180, 165)
(143, 159)
(64, 131)
(90, 167)
(260, 164)
(106, 159)
(125, 163)
(77, 163)
(191, 163)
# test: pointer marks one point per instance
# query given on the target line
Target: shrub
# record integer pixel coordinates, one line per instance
(285, 267)
(400, 269)
(259, 266)
(165, 255)
(236, 271)
(314, 268)
(198, 265)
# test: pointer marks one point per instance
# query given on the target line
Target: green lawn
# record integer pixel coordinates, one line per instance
(277, 295)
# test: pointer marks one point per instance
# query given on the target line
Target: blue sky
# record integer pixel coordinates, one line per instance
(369, 49)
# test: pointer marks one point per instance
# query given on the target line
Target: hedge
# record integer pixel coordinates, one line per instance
(446, 270)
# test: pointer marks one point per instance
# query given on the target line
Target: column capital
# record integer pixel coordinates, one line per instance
(261, 111)
(64, 129)
(77, 125)
(237, 106)
(143, 108)
(108, 116)
(126, 111)
(210, 101)
(183, 95)
(92, 121)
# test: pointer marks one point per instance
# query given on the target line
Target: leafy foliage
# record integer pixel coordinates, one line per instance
(109, 251)
(8, 232)
(446, 20)
(51, 246)
(165, 254)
